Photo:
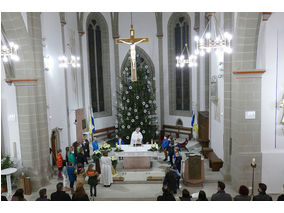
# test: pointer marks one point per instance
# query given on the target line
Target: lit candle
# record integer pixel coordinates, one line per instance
(253, 161)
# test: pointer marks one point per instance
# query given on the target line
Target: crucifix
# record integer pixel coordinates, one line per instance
(132, 41)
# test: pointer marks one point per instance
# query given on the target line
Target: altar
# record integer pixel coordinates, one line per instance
(136, 157)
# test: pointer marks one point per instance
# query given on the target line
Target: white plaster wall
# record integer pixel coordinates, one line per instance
(9, 120)
(217, 108)
(108, 121)
(169, 119)
(54, 77)
(272, 142)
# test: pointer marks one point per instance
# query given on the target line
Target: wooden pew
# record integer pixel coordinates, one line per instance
(108, 132)
(177, 131)
(215, 163)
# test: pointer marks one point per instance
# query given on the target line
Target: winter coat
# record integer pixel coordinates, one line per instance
(80, 158)
(242, 198)
(262, 196)
(95, 145)
(60, 196)
(71, 157)
(165, 144)
(171, 181)
(59, 160)
(80, 172)
(84, 198)
(93, 178)
(71, 174)
(221, 196)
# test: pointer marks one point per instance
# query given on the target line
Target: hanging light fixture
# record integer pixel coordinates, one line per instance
(72, 60)
(218, 41)
(10, 51)
(191, 61)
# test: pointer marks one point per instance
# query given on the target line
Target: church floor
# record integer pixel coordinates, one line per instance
(135, 186)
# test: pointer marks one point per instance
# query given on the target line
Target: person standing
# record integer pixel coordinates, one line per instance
(80, 157)
(119, 142)
(71, 156)
(171, 152)
(59, 161)
(80, 173)
(178, 159)
(262, 196)
(221, 195)
(85, 147)
(95, 144)
(106, 174)
(170, 180)
(87, 144)
(71, 174)
(164, 147)
(93, 179)
(136, 137)
(64, 173)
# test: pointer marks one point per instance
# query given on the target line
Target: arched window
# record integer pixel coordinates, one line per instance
(179, 33)
(99, 70)
(142, 61)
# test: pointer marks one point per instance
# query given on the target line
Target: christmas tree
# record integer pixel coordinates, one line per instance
(136, 105)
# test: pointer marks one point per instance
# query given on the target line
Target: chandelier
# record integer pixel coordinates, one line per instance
(72, 60)
(10, 51)
(191, 61)
(218, 41)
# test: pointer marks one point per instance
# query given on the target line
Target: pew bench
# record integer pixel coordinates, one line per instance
(215, 163)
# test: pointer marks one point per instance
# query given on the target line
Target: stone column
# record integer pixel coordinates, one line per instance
(228, 27)
(31, 96)
(159, 21)
(245, 96)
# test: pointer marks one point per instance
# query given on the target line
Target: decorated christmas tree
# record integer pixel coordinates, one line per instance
(136, 106)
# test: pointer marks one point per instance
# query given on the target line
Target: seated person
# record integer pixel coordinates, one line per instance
(221, 195)
(262, 196)
(120, 142)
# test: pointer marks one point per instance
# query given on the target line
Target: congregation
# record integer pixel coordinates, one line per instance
(72, 168)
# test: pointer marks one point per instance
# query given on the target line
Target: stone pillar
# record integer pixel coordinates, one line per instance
(115, 35)
(31, 97)
(228, 27)
(245, 96)
(159, 21)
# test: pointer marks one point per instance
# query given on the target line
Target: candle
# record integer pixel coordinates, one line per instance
(152, 142)
(253, 161)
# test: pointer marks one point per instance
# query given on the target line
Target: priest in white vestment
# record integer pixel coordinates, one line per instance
(136, 137)
(106, 174)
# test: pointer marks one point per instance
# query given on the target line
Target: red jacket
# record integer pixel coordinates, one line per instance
(59, 160)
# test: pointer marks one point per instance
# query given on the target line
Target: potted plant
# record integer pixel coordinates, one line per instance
(6, 163)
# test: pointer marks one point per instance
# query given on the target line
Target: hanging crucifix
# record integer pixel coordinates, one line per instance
(132, 41)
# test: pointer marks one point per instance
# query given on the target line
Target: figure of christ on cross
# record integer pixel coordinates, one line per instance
(132, 41)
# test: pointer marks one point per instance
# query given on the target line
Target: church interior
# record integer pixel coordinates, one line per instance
(210, 82)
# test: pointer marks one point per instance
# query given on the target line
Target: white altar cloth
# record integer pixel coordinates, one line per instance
(139, 151)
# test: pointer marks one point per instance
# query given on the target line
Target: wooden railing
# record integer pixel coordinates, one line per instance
(108, 132)
(176, 131)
